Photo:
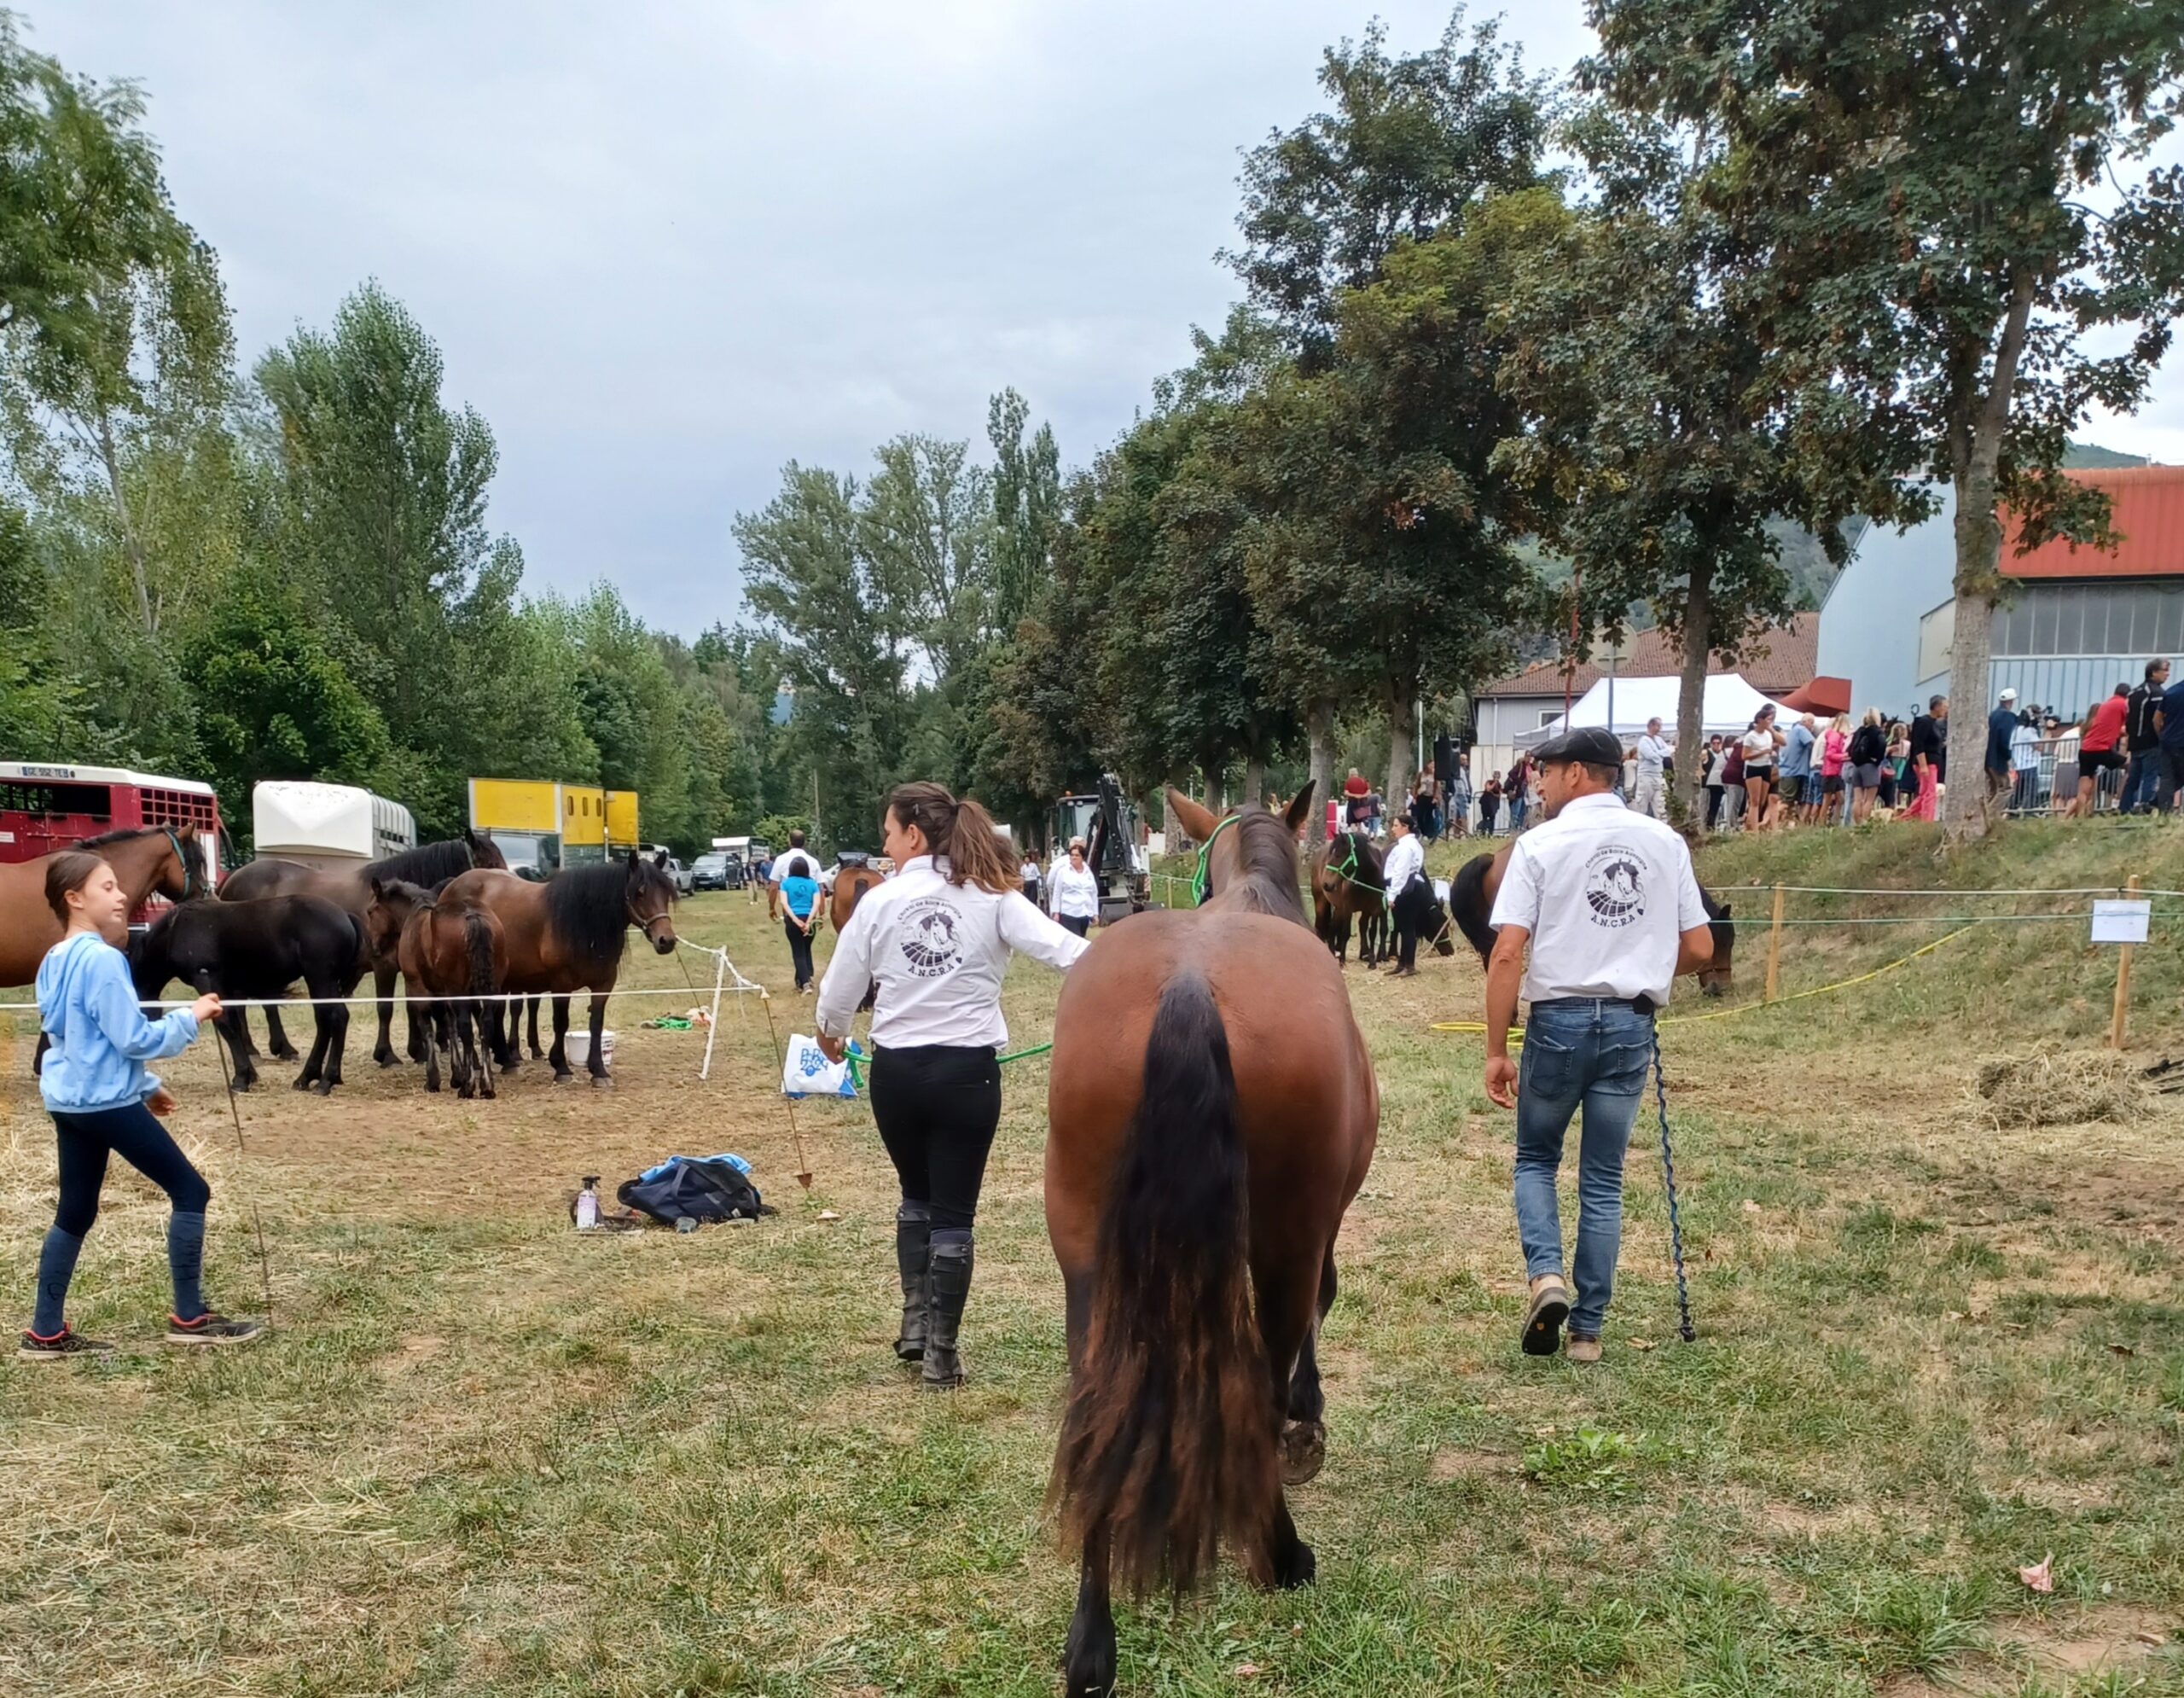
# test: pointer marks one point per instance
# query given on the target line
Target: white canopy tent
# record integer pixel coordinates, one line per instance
(1730, 702)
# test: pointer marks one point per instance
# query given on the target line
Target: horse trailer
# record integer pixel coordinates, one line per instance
(327, 825)
(541, 825)
(46, 805)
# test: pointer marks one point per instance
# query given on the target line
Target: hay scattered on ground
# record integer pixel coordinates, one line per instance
(2069, 1089)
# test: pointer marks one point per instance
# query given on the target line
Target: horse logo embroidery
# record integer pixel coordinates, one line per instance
(928, 937)
(1614, 887)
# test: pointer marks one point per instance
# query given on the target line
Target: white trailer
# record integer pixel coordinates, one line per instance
(327, 825)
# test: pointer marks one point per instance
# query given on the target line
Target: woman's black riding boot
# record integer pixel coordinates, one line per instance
(913, 1251)
(950, 1287)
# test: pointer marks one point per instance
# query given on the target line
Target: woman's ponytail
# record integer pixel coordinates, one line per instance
(962, 833)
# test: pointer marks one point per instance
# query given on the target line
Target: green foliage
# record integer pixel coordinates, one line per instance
(1592, 1459)
(272, 701)
(1929, 208)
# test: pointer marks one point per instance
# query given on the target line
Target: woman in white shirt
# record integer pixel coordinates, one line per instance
(936, 939)
(1076, 894)
(1760, 742)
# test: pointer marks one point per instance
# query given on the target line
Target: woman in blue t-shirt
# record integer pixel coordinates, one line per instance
(103, 1103)
(800, 901)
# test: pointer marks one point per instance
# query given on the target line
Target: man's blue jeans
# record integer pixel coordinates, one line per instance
(1590, 1057)
(2143, 781)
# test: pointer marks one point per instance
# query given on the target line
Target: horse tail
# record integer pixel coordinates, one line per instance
(1467, 903)
(478, 934)
(1168, 1445)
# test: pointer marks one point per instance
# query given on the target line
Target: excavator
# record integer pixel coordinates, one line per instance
(1114, 846)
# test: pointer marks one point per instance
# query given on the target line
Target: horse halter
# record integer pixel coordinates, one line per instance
(1202, 879)
(645, 926)
(192, 874)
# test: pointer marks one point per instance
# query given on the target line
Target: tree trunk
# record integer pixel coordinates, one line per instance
(1217, 794)
(1402, 707)
(1691, 694)
(1254, 779)
(1976, 453)
(1319, 722)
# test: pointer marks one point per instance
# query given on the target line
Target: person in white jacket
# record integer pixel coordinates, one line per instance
(1409, 896)
(936, 938)
(1076, 894)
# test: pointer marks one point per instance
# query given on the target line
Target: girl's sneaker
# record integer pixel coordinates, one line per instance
(210, 1329)
(65, 1345)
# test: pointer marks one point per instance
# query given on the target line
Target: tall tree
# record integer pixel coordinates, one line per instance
(1026, 508)
(1676, 429)
(1409, 142)
(925, 529)
(1937, 201)
(807, 579)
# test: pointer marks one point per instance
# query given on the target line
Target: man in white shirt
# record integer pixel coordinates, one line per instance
(1655, 751)
(1598, 913)
(793, 861)
(1409, 896)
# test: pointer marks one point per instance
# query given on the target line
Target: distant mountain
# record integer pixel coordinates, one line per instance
(2089, 456)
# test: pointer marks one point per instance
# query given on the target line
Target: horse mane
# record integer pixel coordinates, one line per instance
(127, 833)
(1723, 928)
(428, 864)
(588, 908)
(1268, 874)
(1467, 903)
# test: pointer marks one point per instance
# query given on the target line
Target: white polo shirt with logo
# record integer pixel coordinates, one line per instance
(1605, 894)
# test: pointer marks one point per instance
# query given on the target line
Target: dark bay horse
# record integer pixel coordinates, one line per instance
(1348, 884)
(446, 951)
(258, 948)
(351, 888)
(566, 935)
(1212, 1111)
(1478, 881)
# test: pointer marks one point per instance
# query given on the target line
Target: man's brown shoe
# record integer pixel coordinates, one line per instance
(1580, 1349)
(1550, 1308)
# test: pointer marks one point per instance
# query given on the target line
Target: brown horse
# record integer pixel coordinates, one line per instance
(351, 888)
(1347, 885)
(1212, 1111)
(566, 935)
(154, 860)
(1478, 881)
(849, 887)
(454, 951)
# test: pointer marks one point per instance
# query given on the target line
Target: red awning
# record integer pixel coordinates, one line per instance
(1820, 694)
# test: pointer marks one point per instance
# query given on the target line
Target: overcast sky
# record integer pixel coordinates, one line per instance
(665, 247)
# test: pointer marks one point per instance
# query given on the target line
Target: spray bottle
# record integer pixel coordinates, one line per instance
(588, 1204)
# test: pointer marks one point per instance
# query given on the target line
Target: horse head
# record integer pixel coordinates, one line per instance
(1222, 860)
(483, 851)
(392, 903)
(180, 874)
(650, 896)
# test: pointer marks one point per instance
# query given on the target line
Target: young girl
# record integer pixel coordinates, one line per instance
(102, 1103)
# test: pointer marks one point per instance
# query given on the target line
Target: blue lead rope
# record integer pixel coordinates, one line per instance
(1684, 1330)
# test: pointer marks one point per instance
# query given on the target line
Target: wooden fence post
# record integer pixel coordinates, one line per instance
(2117, 1020)
(1775, 948)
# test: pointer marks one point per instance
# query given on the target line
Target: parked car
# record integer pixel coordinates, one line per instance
(710, 872)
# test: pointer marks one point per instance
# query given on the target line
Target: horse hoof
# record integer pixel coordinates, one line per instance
(598, 1080)
(1087, 1667)
(389, 1060)
(564, 1077)
(1299, 1568)
(287, 1052)
(245, 1084)
(325, 1087)
(1303, 1451)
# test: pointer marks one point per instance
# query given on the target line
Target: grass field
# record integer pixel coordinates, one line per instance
(482, 1454)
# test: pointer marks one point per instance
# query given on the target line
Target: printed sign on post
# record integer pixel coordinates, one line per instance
(2121, 922)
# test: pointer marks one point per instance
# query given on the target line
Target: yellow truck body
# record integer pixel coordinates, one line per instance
(583, 818)
(514, 805)
(622, 820)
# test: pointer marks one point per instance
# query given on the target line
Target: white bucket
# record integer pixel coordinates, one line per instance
(577, 1047)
